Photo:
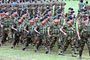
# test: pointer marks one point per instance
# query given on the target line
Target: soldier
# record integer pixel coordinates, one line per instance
(54, 33)
(5, 25)
(16, 32)
(83, 33)
(28, 29)
(13, 20)
(41, 31)
(68, 29)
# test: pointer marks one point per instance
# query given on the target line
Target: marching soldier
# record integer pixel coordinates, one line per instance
(68, 29)
(41, 31)
(83, 33)
(28, 30)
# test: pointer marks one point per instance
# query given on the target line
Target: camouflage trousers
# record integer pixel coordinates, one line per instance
(69, 40)
(4, 35)
(82, 44)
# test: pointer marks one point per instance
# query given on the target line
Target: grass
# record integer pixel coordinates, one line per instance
(6, 53)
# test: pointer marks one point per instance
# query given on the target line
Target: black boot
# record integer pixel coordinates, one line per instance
(80, 57)
(23, 49)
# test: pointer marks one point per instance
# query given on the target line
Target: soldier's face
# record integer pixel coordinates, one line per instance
(59, 21)
(69, 11)
(31, 22)
(48, 18)
(70, 22)
(43, 22)
(7, 15)
(55, 21)
(86, 21)
(15, 13)
(50, 13)
(36, 19)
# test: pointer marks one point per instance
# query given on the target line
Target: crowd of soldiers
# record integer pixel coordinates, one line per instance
(46, 29)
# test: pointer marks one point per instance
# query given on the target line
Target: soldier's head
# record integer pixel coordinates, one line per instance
(72, 14)
(82, 11)
(14, 13)
(36, 18)
(49, 12)
(70, 22)
(19, 20)
(24, 15)
(59, 19)
(86, 19)
(47, 18)
(59, 11)
(55, 21)
(86, 2)
(70, 10)
(31, 20)
(81, 1)
(2, 12)
(43, 21)
(14, 23)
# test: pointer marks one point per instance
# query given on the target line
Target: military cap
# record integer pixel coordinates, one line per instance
(58, 7)
(47, 11)
(18, 18)
(5, 11)
(72, 12)
(69, 18)
(82, 9)
(70, 8)
(45, 17)
(58, 16)
(30, 17)
(86, 2)
(55, 17)
(35, 16)
(41, 20)
(84, 16)
(48, 7)
(13, 11)
(59, 11)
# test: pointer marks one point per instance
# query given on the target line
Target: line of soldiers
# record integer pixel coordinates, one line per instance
(23, 1)
(46, 29)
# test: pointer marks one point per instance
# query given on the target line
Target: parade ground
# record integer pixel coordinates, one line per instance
(6, 53)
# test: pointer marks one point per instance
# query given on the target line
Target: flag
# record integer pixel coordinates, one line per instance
(53, 9)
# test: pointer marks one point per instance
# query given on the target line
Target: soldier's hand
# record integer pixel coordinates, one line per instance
(27, 31)
(49, 35)
(1, 25)
(79, 38)
(65, 34)
(39, 33)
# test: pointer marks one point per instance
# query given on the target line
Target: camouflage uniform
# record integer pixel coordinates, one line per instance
(5, 29)
(70, 30)
(41, 37)
(85, 36)
(55, 35)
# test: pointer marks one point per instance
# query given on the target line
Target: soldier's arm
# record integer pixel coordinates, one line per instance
(61, 29)
(35, 29)
(77, 30)
(48, 31)
(13, 28)
(1, 25)
(25, 30)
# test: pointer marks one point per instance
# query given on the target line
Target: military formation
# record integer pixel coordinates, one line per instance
(46, 27)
